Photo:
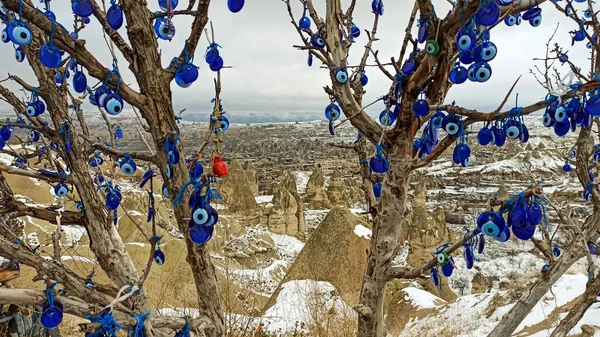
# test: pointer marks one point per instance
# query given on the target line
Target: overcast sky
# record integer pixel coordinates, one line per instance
(271, 77)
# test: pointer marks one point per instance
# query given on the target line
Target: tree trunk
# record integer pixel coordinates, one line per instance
(587, 299)
(105, 241)
(384, 241)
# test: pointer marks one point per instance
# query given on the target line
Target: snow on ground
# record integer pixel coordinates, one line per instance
(77, 258)
(73, 233)
(466, 317)
(6, 159)
(301, 180)
(297, 302)
(363, 232)
(288, 247)
(261, 199)
(136, 244)
(422, 299)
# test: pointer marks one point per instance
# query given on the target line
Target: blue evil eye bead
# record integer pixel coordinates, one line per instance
(200, 234)
(217, 65)
(164, 4)
(34, 136)
(163, 30)
(504, 2)
(82, 8)
(432, 47)
(159, 257)
(488, 14)
(377, 7)
(79, 82)
(40, 106)
(512, 130)
(556, 251)
(19, 55)
(548, 120)
(165, 191)
(2, 143)
(465, 39)
(567, 167)
(484, 137)
(235, 5)
(188, 73)
(435, 277)
(58, 78)
(466, 58)
(213, 216)
(354, 31)
(6, 132)
(113, 200)
(503, 236)
(80, 205)
(587, 14)
(173, 156)
(377, 189)
(114, 16)
(212, 53)
(309, 61)
(113, 104)
(535, 214)
(471, 72)
(536, 21)
(532, 13)
(332, 112)
(304, 22)
(223, 123)
(127, 165)
(519, 18)
(364, 79)
(511, 20)
(458, 74)
(482, 72)
(101, 94)
(488, 51)
(499, 136)
(52, 316)
(341, 75)
(94, 162)
(524, 134)
(448, 268)
(386, 118)
(494, 225)
(379, 164)
(421, 108)
(317, 41)
(560, 114)
(469, 257)
(181, 83)
(423, 33)
(50, 56)
(592, 249)
(4, 36)
(169, 171)
(19, 33)
(61, 190)
(31, 110)
(409, 66)
(437, 119)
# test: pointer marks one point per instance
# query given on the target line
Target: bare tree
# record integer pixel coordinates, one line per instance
(425, 71)
(70, 138)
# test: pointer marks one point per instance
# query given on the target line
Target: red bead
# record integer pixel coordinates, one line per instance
(220, 167)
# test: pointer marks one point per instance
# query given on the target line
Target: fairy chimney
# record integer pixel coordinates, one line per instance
(425, 230)
(336, 190)
(316, 196)
(237, 191)
(252, 175)
(285, 215)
